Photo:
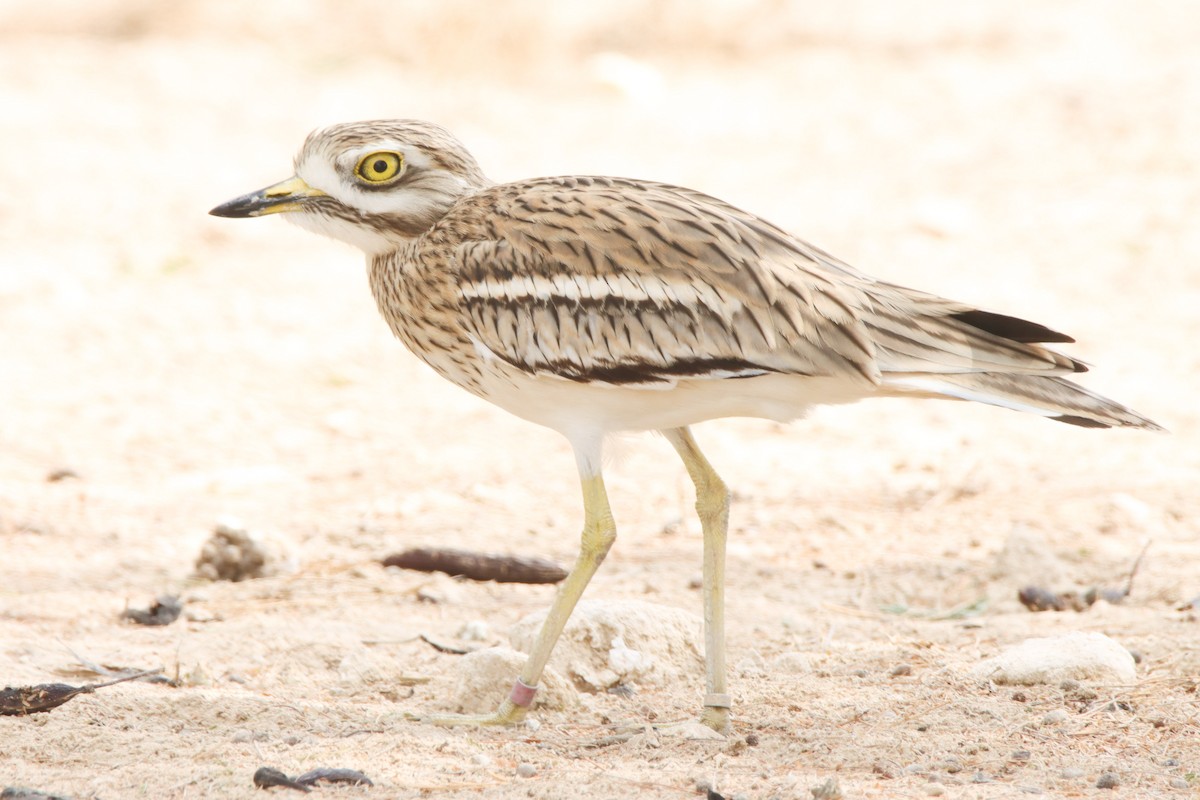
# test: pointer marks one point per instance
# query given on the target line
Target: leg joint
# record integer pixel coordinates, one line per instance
(712, 497)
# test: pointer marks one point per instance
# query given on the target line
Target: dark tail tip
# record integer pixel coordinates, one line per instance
(1013, 328)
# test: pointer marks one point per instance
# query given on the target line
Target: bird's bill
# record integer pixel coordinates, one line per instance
(286, 195)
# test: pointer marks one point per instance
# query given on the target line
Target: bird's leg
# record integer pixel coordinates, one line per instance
(599, 533)
(712, 505)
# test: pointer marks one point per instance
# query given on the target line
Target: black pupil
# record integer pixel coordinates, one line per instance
(379, 166)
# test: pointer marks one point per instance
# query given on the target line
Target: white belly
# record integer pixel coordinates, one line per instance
(587, 410)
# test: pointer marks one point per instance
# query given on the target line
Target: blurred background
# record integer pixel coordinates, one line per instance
(160, 369)
(1040, 160)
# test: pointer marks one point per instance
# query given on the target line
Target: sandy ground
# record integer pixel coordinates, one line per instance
(1043, 163)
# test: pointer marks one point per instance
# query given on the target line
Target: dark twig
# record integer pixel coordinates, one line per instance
(266, 777)
(478, 566)
(333, 775)
(23, 700)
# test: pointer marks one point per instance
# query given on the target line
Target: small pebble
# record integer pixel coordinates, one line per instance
(474, 631)
(164, 610)
(752, 739)
(526, 770)
(935, 789)
(1072, 773)
(1108, 780)
(23, 793)
(901, 670)
(481, 760)
(532, 725)
(1179, 783)
(1055, 717)
(829, 790)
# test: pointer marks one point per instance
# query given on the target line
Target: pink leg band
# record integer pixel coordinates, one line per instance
(522, 694)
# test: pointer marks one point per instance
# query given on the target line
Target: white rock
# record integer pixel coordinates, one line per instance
(1074, 656)
(667, 641)
(474, 631)
(626, 662)
(480, 680)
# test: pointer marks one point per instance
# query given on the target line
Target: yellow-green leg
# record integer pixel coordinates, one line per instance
(599, 532)
(712, 505)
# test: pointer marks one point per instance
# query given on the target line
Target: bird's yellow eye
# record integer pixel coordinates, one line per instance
(379, 167)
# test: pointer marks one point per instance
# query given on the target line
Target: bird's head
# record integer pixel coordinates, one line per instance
(375, 185)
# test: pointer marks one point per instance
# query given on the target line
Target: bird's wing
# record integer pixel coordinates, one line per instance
(627, 282)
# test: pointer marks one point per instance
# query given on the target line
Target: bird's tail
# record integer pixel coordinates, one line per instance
(1046, 395)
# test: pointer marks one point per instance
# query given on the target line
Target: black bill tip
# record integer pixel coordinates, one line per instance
(248, 205)
(289, 195)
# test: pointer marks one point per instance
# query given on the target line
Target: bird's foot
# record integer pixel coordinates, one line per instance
(502, 716)
(713, 724)
(511, 712)
(684, 729)
(716, 717)
(507, 714)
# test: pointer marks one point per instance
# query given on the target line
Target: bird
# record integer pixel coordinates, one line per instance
(594, 305)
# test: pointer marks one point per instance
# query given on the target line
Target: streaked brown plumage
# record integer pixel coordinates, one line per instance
(593, 304)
